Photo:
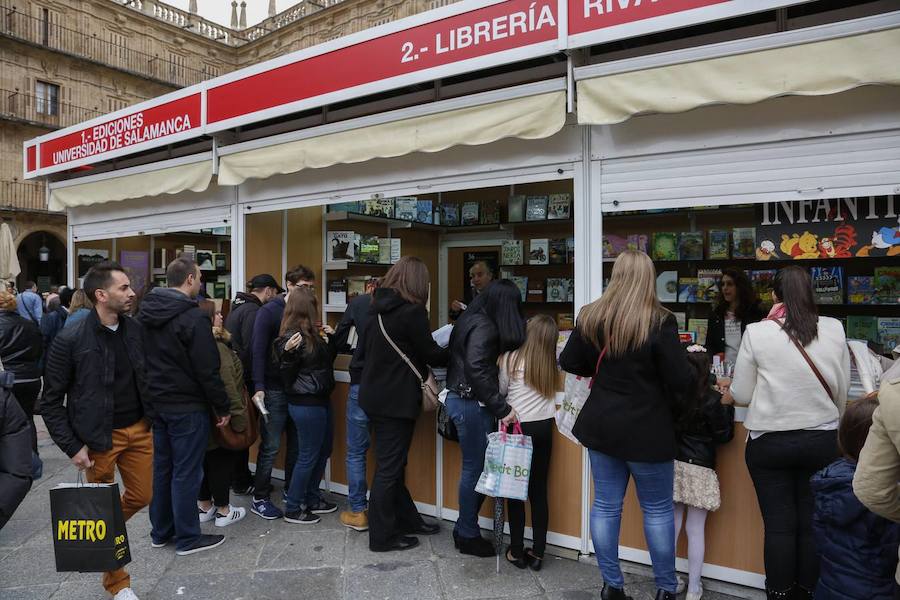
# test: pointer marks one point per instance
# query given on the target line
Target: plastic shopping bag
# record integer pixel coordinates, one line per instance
(88, 528)
(507, 465)
(577, 390)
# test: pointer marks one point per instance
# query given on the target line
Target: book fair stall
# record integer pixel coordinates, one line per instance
(718, 136)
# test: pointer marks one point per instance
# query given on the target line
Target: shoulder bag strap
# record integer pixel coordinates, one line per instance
(597, 368)
(809, 361)
(397, 350)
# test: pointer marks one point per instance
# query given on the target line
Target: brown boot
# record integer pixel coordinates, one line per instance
(358, 521)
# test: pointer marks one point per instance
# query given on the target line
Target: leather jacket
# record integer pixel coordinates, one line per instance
(701, 429)
(21, 346)
(473, 371)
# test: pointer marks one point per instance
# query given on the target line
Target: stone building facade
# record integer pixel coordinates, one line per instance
(66, 61)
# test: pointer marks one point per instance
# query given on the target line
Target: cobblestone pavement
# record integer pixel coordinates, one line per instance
(273, 559)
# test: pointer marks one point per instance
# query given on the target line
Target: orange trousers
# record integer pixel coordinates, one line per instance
(132, 453)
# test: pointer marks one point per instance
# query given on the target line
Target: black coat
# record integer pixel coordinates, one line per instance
(15, 455)
(629, 413)
(388, 387)
(308, 377)
(21, 346)
(357, 315)
(240, 325)
(81, 370)
(702, 428)
(715, 334)
(51, 324)
(182, 356)
(473, 371)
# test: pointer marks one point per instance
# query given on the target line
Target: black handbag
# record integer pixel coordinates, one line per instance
(445, 426)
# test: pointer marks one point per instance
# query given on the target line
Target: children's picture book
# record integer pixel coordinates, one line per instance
(490, 211)
(719, 244)
(536, 208)
(558, 251)
(860, 289)
(828, 284)
(337, 292)
(406, 208)
(539, 251)
(887, 285)
(379, 207)
(743, 242)
(535, 290)
(862, 327)
(681, 320)
(690, 245)
(687, 290)
(424, 211)
(221, 261)
(639, 242)
(613, 245)
(559, 206)
(762, 281)
(889, 332)
(449, 214)
(511, 252)
(570, 250)
(469, 214)
(557, 289)
(341, 245)
(522, 284)
(515, 211)
(667, 286)
(369, 249)
(700, 327)
(708, 284)
(665, 246)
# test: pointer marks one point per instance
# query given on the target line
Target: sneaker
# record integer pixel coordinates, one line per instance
(204, 542)
(681, 586)
(207, 515)
(236, 514)
(695, 595)
(243, 491)
(323, 507)
(355, 520)
(161, 544)
(266, 509)
(125, 594)
(303, 517)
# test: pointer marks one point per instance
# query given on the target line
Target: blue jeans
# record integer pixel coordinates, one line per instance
(357, 445)
(179, 446)
(653, 481)
(315, 429)
(270, 442)
(473, 423)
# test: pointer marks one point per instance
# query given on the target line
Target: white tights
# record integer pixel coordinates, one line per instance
(696, 535)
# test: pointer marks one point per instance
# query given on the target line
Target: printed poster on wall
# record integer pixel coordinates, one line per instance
(88, 257)
(492, 258)
(137, 265)
(836, 228)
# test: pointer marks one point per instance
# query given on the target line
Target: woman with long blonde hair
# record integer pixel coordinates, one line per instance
(529, 378)
(628, 342)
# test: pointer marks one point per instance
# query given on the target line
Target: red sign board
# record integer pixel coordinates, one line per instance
(131, 130)
(31, 158)
(474, 34)
(589, 15)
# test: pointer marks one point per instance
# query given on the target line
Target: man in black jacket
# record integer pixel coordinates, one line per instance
(185, 386)
(15, 455)
(97, 369)
(55, 319)
(240, 325)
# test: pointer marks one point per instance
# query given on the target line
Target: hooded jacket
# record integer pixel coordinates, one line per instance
(858, 548)
(240, 325)
(182, 357)
(389, 388)
(21, 346)
(15, 455)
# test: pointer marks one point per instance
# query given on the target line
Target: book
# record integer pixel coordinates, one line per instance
(565, 321)
(708, 284)
(341, 245)
(570, 250)
(424, 211)
(860, 289)
(558, 289)
(700, 327)
(205, 260)
(665, 246)
(511, 252)
(210, 289)
(515, 210)
(690, 245)
(220, 290)
(889, 332)
(469, 213)
(379, 207)
(395, 250)
(558, 251)
(687, 290)
(743, 242)
(449, 214)
(337, 292)
(356, 286)
(681, 320)
(828, 284)
(687, 337)
(535, 290)
(406, 208)
(220, 259)
(762, 282)
(862, 328)
(490, 211)
(369, 250)
(384, 250)
(350, 207)
(639, 242)
(719, 244)
(613, 245)
(188, 251)
(539, 251)
(887, 285)
(667, 286)
(521, 283)
(536, 208)
(559, 206)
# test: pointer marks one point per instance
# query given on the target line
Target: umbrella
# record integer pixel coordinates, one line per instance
(9, 261)
(499, 523)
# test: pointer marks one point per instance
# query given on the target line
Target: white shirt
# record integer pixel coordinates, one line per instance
(732, 337)
(528, 403)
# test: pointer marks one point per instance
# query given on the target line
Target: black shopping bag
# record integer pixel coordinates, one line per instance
(88, 528)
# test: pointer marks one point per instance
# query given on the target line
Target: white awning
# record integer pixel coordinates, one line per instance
(168, 177)
(530, 112)
(813, 62)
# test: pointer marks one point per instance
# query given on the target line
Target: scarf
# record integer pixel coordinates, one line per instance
(778, 311)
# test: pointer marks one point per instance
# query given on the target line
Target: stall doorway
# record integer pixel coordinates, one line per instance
(44, 273)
